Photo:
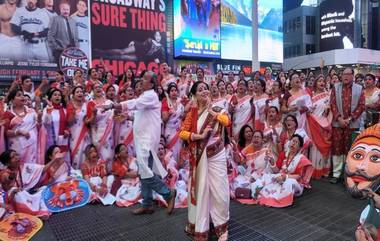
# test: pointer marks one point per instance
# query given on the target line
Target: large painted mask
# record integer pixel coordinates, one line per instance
(363, 162)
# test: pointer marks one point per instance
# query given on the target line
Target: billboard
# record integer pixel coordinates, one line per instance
(33, 35)
(290, 5)
(236, 29)
(337, 19)
(197, 28)
(270, 31)
(128, 34)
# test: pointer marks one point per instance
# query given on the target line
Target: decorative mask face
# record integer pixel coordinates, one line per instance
(363, 162)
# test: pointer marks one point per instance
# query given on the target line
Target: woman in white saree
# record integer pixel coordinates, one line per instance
(208, 190)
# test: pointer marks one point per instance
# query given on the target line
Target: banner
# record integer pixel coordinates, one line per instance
(128, 34)
(236, 29)
(34, 34)
(197, 28)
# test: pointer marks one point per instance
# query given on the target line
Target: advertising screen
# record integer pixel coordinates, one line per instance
(236, 29)
(128, 34)
(197, 28)
(270, 31)
(337, 24)
(34, 34)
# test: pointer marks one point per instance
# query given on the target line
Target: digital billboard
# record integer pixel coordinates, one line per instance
(128, 34)
(34, 34)
(337, 18)
(236, 29)
(197, 28)
(270, 31)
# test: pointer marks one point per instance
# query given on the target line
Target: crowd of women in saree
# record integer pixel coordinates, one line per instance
(255, 139)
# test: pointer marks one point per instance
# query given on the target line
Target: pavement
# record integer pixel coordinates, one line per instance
(326, 212)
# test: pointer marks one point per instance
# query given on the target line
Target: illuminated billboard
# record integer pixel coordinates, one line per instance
(197, 28)
(270, 31)
(236, 29)
(337, 24)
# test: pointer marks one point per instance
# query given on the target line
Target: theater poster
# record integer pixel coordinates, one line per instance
(128, 34)
(197, 28)
(34, 33)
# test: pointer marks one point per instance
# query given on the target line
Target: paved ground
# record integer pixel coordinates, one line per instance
(326, 212)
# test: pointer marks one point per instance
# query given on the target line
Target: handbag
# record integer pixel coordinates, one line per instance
(243, 193)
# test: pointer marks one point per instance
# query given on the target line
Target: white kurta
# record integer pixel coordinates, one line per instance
(146, 132)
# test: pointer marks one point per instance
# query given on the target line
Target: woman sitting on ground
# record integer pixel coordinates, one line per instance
(16, 180)
(56, 168)
(291, 174)
(126, 185)
(94, 171)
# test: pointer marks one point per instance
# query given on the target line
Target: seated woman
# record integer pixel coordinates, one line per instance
(94, 171)
(273, 129)
(56, 168)
(290, 128)
(168, 162)
(256, 164)
(16, 181)
(171, 179)
(126, 186)
(233, 159)
(245, 139)
(291, 174)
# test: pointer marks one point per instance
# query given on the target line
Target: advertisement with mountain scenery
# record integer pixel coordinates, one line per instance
(270, 31)
(236, 29)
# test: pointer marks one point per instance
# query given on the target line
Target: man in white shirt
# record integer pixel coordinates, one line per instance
(147, 133)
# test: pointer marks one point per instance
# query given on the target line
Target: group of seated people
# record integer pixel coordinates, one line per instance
(22, 184)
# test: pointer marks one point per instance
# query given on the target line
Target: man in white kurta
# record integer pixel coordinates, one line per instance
(146, 134)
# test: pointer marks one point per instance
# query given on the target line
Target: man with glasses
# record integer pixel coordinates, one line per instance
(347, 104)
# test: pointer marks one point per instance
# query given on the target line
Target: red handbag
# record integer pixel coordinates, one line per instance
(243, 193)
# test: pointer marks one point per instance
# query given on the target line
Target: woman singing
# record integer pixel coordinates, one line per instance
(54, 119)
(291, 174)
(21, 128)
(209, 188)
(172, 114)
(101, 125)
(78, 125)
(319, 122)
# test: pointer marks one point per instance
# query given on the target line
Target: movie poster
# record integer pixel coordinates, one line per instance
(34, 33)
(236, 29)
(128, 34)
(197, 28)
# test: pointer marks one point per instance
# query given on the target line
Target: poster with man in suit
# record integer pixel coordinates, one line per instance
(63, 32)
